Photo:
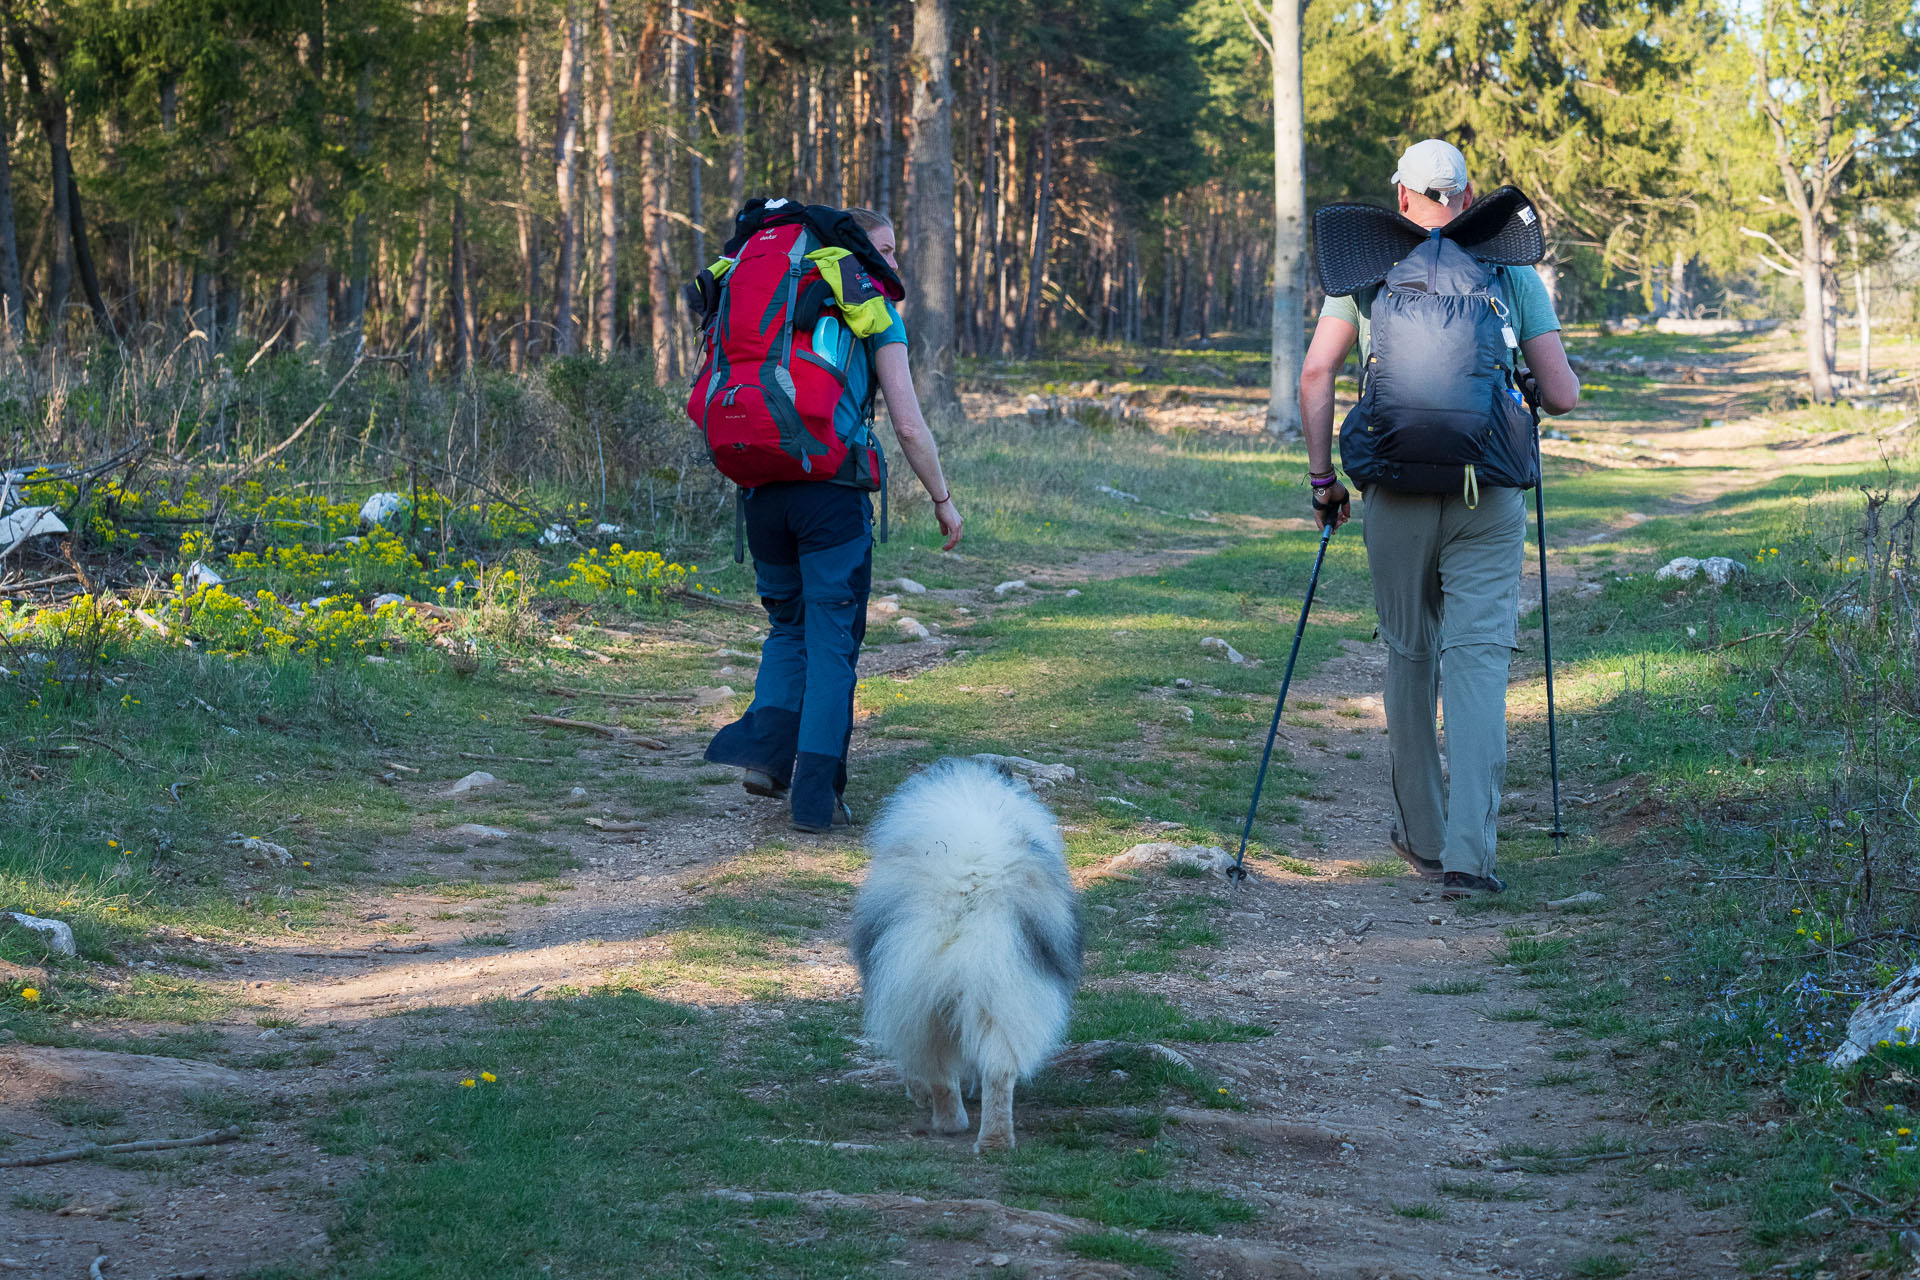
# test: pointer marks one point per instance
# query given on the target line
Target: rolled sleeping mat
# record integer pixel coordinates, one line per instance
(1356, 244)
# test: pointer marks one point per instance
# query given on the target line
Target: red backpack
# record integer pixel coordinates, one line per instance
(764, 395)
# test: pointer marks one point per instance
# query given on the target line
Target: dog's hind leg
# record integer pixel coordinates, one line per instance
(935, 1081)
(996, 1111)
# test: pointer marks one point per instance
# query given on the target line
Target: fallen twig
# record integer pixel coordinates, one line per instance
(561, 691)
(15, 588)
(208, 1139)
(475, 755)
(613, 731)
(94, 1270)
(713, 602)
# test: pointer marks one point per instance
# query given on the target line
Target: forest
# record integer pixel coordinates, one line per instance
(502, 181)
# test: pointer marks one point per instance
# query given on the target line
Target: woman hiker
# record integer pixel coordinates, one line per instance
(812, 544)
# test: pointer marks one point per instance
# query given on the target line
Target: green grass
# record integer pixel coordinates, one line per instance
(1421, 1210)
(1453, 987)
(1122, 1014)
(1601, 1266)
(1114, 1246)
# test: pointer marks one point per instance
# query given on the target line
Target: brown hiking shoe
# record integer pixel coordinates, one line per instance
(1459, 884)
(1427, 867)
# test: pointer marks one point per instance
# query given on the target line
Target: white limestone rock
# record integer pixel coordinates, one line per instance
(1891, 1014)
(58, 933)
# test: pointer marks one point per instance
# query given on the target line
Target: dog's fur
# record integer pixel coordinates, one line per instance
(967, 935)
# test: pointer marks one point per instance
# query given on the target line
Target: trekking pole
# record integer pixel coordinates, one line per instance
(1238, 870)
(1546, 629)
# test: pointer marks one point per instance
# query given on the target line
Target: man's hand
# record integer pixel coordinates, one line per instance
(1528, 387)
(949, 517)
(1331, 503)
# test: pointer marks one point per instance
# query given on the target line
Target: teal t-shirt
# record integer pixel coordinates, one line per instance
(857, 361)
(1525, 296)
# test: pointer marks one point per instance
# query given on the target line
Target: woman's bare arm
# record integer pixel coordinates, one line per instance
(916, 441)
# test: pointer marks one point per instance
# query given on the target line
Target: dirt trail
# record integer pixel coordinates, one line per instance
(1371, 1097)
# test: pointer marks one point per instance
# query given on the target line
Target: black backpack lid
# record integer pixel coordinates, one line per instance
(1356, 244)
(830, 226)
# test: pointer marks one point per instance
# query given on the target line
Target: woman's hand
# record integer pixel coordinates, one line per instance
(949, 517)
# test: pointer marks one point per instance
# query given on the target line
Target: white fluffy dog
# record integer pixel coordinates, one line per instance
(967, 934)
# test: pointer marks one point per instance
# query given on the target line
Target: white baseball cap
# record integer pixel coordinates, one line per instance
(1433, 165)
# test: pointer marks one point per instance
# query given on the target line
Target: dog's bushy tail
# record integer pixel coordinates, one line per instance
(966, 930)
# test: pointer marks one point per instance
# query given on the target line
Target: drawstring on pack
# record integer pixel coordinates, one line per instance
(1470, 489)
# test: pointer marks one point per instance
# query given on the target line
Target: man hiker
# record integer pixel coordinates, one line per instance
(812, 544)
(1445, 565)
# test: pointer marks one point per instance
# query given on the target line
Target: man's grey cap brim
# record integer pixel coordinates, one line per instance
(1357, 244)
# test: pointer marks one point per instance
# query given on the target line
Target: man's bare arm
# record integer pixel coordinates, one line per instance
(1332, 339)
(1547, 362)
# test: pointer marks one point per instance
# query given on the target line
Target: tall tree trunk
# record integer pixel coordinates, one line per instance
(1862, 309)
(1678, 300)
(42, 84)
(1289, 222)
(930, 229)
(883, 125)
(460, 301)
(311, 313)
(1037, 249)
(12, 296)
(696, 195)
(831, 185)
(413, 330)
(653, 198)
(1813, 306)
(523, 336)
(986, 237)
(737, 100)
(360, 250)
(566, 167)
(603, 162)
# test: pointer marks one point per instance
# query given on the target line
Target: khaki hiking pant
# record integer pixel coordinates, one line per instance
(1446, 585)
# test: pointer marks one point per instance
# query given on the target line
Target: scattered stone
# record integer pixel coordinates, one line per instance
(476, 831)
(379, 506)
(712, 697)
(1181, 682)
(1719, 570)
(1887, 1017)
(606, 530)
(1232, 654)
(1072, 592)
(1017, 584)
(1586, 899)
(59, 934)
(1000, 1259)
(913, 628)
(200, 575)
(911, 587)
(736, 653)
(1112, 492)
(1159, 854)
(555, 534)
(472, 782)
(28, 522)
(1036, 773)
(883, 607)
(1124, 803)
(965, 612)
(262, 853)
(578, 793)
(386, 598)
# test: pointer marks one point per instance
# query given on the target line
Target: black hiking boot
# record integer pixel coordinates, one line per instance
(842, 817)
(1428, 868)
(1459, 884)
(758, 782)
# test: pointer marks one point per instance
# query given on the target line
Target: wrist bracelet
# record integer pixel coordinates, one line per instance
(1322, 482)
(947, 498)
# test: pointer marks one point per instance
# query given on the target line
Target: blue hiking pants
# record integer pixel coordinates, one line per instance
(812, 549)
